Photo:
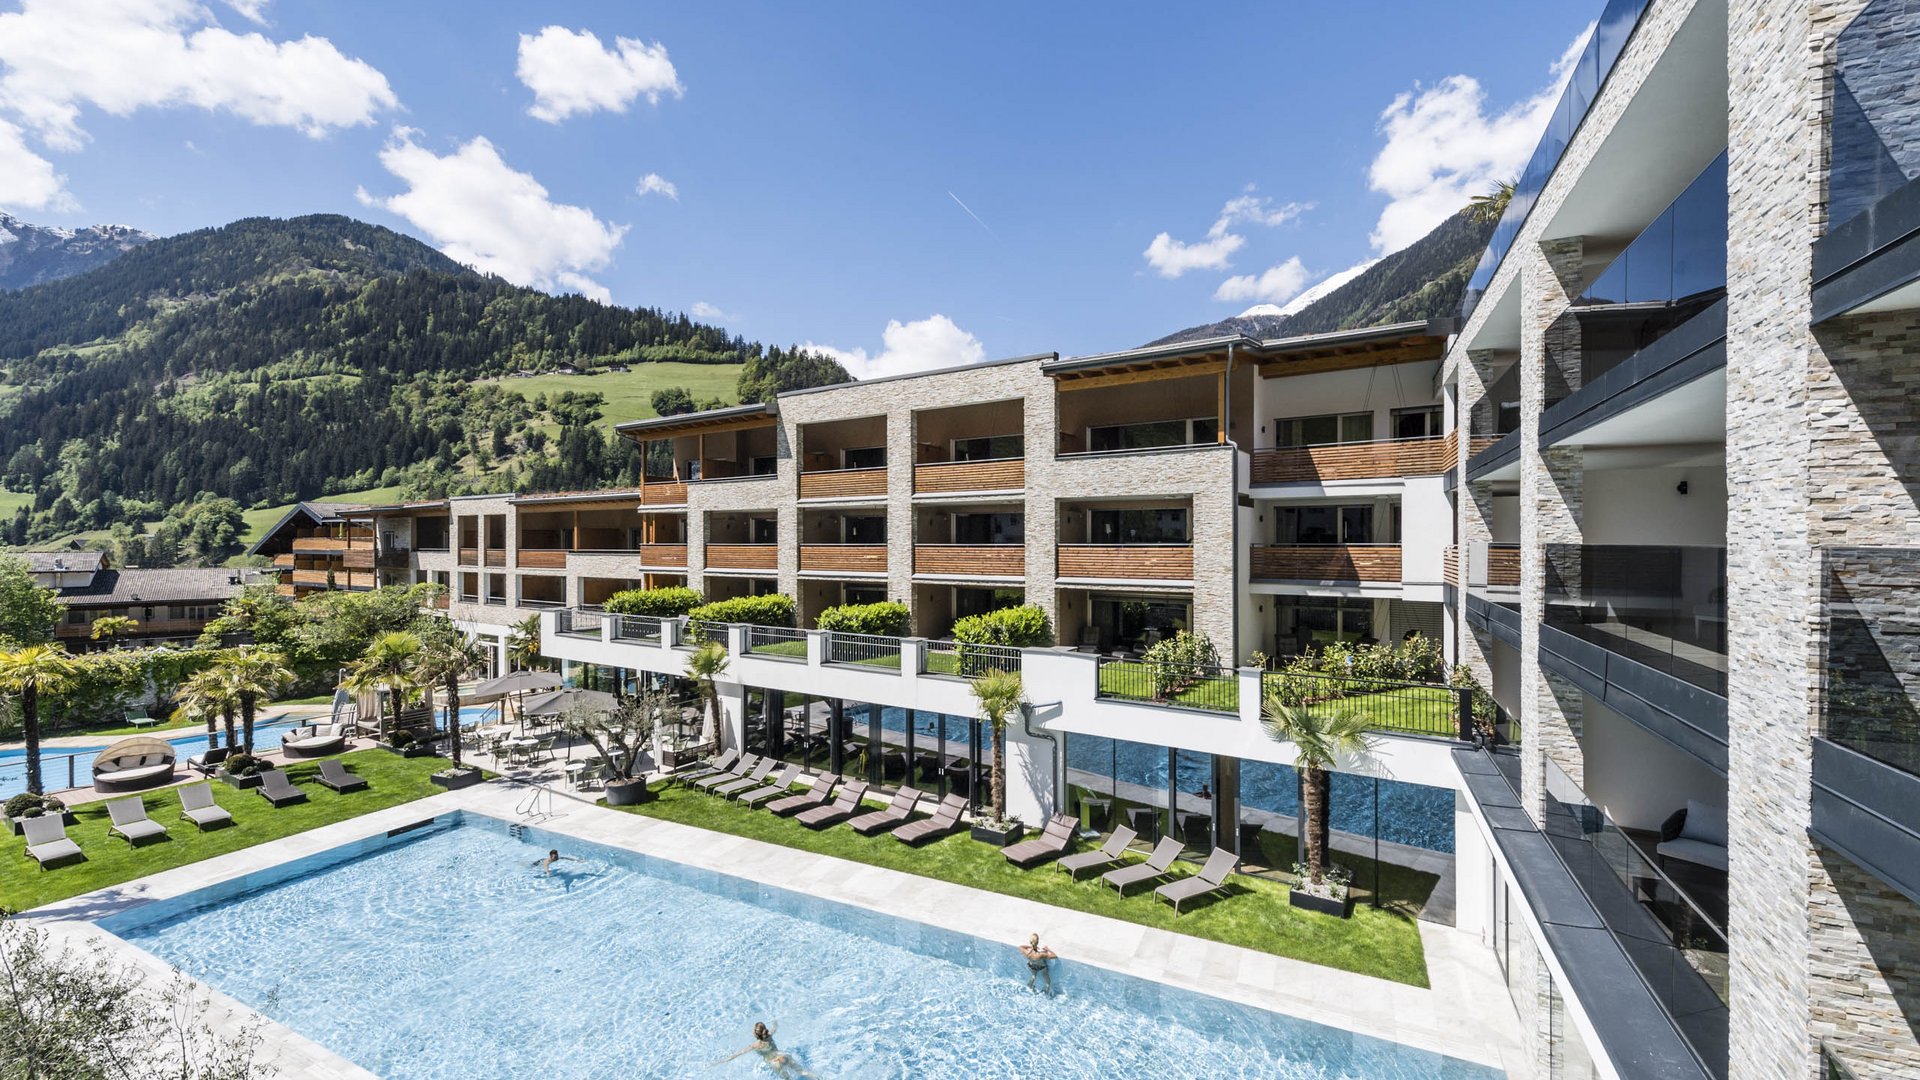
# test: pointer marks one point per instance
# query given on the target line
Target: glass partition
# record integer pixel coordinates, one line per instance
(1665, 607)
(1874, 130)
(1871, 674)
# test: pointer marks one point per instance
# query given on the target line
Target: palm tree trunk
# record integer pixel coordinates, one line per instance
(999, 773)
(226, 718)
(453, 715)
(1316, 812)
(30, 724)
(213, 732)
(246, 722)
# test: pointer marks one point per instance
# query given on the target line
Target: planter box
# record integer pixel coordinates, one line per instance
(241, 782)
(454, 781)
(987, 834)
(1307, 901)
(411, 750)
(628, 794)
(66, 818)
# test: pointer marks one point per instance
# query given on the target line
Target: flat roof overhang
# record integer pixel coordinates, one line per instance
(560, 500)
(1398, 343)
(732, 418)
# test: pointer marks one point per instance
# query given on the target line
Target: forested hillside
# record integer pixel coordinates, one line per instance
(270, 360)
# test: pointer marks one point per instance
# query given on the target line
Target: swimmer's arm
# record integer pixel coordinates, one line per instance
(735, 1054)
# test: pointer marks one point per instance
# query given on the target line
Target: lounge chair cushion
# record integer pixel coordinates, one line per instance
(47, 839)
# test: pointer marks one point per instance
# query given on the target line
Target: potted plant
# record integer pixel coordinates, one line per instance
(1320, 734)
(28, 805)
(622, 735)
(241, 771)
(405, 743)
(998, 694)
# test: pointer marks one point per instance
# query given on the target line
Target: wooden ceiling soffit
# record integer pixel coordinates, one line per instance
(1349, 357)
(702, 427)
(1175, 367)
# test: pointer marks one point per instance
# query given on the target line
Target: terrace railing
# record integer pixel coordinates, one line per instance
(958, 660)
(1182, 686)
(575, 622)
(777, 642)
(1390, 705)
(871, 650)
(636, 628)
(700, 631)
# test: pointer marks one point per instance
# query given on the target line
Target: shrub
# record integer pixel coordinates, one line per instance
(888, 618)
(1486, 711)
(241, 765)
(1023, 627)
(773, 609)
(399, 738)
(27, 804)
(667, 602)
(1179, 661)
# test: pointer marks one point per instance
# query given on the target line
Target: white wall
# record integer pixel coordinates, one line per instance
(1426, 528)
(1641, 506)
(1635, 776)
(1379, 390)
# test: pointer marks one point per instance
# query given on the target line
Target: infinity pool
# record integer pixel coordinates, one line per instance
(444, 953)
(70, 766)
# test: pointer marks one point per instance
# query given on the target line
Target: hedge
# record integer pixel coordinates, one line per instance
(888, 618)
(1180, 661)
(667, 602)
(773, 609)
(1023, 627)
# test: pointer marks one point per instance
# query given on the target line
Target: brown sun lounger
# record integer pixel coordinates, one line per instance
(1053, 840)
(748, 782)
(712, 767)
(817, 795)
(845, 805)
(778, 787)
(1164, 852)
(1109, 853)
(896, 813)
(945, 819)
(1211, 878)
(741, 768)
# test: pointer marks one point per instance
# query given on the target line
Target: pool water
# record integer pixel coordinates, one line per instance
(444, 953)
(68, 766)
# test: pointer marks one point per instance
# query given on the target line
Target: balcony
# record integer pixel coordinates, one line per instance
(1007, 474)
(1126, 562)
(496, 557)
(743, 556)
(316, 545)
(541, 559)
(1366, 563)
(283, 561)
(971, 560)
(357, 558)
(843, 558)
(1353, 461)
(1664, 608)
(844, 484)
(665, 556)
(469, 556)
(663, 493)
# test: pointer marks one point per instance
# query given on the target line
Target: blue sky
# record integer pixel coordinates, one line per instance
(818, 155)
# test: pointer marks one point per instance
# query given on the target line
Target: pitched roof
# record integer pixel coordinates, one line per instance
(166, 586)
(48, 562)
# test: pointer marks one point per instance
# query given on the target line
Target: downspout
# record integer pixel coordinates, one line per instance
(1026, 721)
(1226, 429)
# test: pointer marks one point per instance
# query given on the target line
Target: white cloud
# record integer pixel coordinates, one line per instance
(124, 55)
(923, 345)
(1276, 285)
(27, 180)
(1171, 258)
(572, 72)
(655, 184)
(1443, 148)
(252, 10)
(703, 310)
(485, 213)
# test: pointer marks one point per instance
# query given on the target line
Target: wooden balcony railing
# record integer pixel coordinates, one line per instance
(359, 559)
(985, 560)
(1142, 562)
(1503, 567)
(846, 558)
(1353, 461)
(1450, 566)
(1327, 562)
(663, 555)
(843, 483)
(469, 556)
(284, 560)
(496, 557)
(1005, 475)
(743, 556)
(663, 493)
(315, 577)
(541, 559)
(315, 545)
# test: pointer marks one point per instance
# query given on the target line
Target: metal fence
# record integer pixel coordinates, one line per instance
(636, 628)
(1182, 686)
(1389, 705)
(701, 631)
(960, 660)
(777, 642)
(871, 650)
(575, 622)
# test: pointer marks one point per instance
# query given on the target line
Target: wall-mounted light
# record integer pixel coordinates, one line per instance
(1681, 487)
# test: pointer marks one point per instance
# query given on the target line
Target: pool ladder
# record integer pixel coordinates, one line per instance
(538, 804)
(517, 830)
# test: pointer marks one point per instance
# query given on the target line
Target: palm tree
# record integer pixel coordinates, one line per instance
(998, 694)
(446, 656)
(208, 693)
(1489, 207)
(523, 645)
(1320, 736)
(707, 663)
(253, 673)
(107, 627)
(388, 664)
(31, 672)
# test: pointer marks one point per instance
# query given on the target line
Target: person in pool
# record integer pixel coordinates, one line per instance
(1039, 959)
(553, 856)
(779, 1062)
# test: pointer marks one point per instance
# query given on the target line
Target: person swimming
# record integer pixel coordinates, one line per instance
(779, 1062)
(1039, 959)
(553, 856)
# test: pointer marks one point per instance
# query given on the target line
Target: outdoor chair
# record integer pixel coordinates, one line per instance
(1211, 878)
(746, 783)
(1108, 854)
(776, 787)
(336, 776)
(741, 768)
(896, 813)
(277, 789)
(197, 806)
(207, 762)
(47, 840)
(130, 820)
(815, 796)
(1053, 840)
(945, 819)
(1156, 866)
(714, 767)
(844, 806)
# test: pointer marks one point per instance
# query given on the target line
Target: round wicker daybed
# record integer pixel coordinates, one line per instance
(139, 762)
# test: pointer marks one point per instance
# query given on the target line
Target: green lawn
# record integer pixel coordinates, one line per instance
(1133, 681)
(110, 860)
(1420, 710)
(1380, 942)
(12, 501)
(627, 393)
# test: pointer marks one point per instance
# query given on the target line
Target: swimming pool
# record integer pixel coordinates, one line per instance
(68, 766)
(442, 953)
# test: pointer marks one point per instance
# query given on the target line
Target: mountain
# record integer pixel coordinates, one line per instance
(33, 254)
(1421, 281)
(271, 360)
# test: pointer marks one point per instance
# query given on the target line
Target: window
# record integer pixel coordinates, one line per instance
(980, 601)
(865, 530)
(1153, 435)
(989, 448)
(862, 594)
(1164, 526)
(763, 466)
(1321, 430)
(1424, 422)
(765, 530)
(989, 528)
(1308, 622)
(865, 457)
(1327, 525)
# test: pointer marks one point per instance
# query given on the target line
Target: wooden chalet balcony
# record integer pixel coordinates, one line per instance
(1008, 474)
(844, 558)
(496, 557)
(1138, 562)
(319, 545)
(358, 559)
(541, 558)
(843, 483)
(743, 556)
(469, 556)
(283, 590)
(666, 555)
(147, 628)
(1353, 461)
(283, 561)
(983, 560)
(1327, 562)
(663, 493)
(314, 577)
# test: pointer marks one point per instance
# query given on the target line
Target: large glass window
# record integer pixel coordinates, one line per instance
(1304, 622)
(1328, 525)
(989, 528)
(1424, 422)
(765, 530)
(1153, 435)
(1124, 624)
(865, 457)
(980, 601)
(1321, 430)
(989, 448)
(1152, 526)
(866, 530)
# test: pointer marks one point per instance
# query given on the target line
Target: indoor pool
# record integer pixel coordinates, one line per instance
(72, 766)
(444, 953)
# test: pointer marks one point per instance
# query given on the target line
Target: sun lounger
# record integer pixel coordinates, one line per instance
(335, 775)
(1156, 865)
(1109, 853)
(278, 790)
(778, 787)
(1211, 878)
(130, 820)
(197, 806)
(845, 804)
(1053, 840)
(896, 813)
(207, 762)
(945, 819)
(747, 783)
(713, 767)
(817, 795)
(47, 840)
(741, 768)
